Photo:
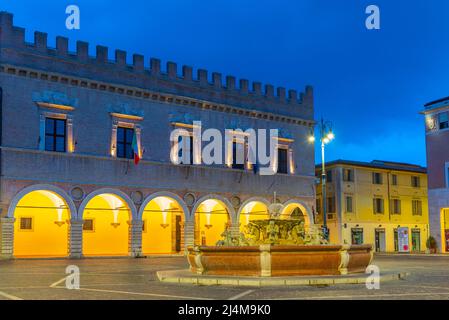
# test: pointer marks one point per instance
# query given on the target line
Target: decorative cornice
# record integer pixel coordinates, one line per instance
(55, 106)
(145, 94)
(126, 116)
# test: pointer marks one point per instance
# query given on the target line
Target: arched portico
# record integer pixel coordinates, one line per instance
(213, 215)
(255, 208)
(107, 215)
(42, 215)
(291, 205)
(163, 216)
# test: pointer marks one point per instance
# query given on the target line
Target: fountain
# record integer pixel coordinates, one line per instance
(278, 247)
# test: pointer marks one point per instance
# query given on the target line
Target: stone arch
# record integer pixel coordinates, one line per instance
(223, 200)
(167, 194)
(301, 205)
(123, 196)
(209, 227)
(248, 201)
(44, 187)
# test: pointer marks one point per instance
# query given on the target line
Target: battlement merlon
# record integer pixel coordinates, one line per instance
(255, 96)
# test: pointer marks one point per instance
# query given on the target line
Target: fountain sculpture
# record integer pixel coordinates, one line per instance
(278, 247)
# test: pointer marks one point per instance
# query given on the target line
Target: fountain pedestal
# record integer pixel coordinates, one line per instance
(278, 260)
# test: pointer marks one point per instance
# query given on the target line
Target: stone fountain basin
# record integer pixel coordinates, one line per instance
(278, 260)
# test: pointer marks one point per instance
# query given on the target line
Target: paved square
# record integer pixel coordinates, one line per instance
(110, 279)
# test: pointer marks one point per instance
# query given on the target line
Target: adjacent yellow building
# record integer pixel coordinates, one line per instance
(379, 203)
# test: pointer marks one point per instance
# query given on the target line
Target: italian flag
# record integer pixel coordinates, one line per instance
(135, 147)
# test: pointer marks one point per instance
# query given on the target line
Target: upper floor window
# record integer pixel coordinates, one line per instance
(395, 206)
(348, 175)
(378, 205)
(329, 176)
(185, 152)
(55, 134)
(417, 207)
(377, 178)
(443, 120)
(416, 183)
(331, 205)
(238, 155)
(394, 180)
(318, 205)
(282, 160)
(125, 138)
(447, 174)
(349, 204)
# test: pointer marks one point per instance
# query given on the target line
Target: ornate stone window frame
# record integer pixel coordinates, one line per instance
(239, 137)
(187, 130)
(287, 143)
(56, 111)
(125, 121)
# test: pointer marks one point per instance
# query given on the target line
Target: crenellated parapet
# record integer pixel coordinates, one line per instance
(183, 81)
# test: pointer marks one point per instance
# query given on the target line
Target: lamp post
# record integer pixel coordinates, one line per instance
(326, 136)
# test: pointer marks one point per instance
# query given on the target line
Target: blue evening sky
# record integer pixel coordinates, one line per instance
(371, 84)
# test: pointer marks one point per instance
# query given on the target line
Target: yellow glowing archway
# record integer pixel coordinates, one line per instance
(211, 220)
(296, 210)
(41, 226)
(106, 226)
(163, 226)
(252, 211)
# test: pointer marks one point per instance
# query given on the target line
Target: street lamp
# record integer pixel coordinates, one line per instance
(326, 136)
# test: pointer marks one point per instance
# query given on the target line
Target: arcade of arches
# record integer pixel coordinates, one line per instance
(43, 224)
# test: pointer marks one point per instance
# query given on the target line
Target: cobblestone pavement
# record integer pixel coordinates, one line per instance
(110, 279)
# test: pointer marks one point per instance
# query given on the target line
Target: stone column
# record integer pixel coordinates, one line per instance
(135, 238)
(189, 233)
(235, 228)
(76, 239)
(7, 238)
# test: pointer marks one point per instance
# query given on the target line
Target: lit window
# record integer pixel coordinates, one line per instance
(124, 143)
(443, 120)
(26, 223)
(55, 135)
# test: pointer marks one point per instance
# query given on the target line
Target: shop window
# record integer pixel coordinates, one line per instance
(357, 236)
